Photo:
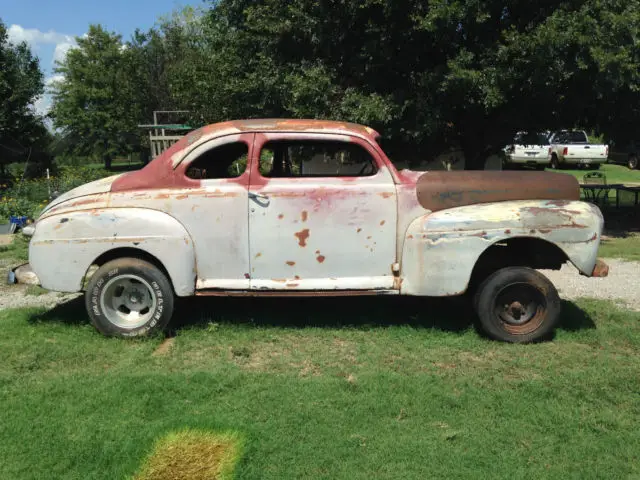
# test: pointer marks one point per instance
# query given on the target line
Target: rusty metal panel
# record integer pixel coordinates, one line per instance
(441, 190)
(601, 270)
(330, 233)
(441, 249)
(65, 245)
(214, 212)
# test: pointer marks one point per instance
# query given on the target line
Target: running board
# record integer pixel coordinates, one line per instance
(295, 293)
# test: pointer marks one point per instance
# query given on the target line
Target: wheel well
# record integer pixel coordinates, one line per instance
(518, 252)
(124, 253)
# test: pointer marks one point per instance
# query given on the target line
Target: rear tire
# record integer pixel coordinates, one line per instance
(129, 297)
(633, 162)
(517, 305)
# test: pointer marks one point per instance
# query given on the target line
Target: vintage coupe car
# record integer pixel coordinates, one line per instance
(306, 208)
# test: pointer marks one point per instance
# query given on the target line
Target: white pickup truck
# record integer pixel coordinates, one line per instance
(572, 147)
(531, 149)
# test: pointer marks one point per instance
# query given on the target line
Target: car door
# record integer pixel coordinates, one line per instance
(215, 210)
(322, 214)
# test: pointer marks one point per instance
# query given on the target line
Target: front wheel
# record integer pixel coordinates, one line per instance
(129, 297)
(517, 305)
(633, 162)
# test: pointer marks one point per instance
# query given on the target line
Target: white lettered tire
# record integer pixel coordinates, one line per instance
(129, 297)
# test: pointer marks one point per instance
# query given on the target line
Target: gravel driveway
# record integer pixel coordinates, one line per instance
(622, 286)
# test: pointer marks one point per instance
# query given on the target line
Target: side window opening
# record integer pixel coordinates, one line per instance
(225, 161)
(283, 159)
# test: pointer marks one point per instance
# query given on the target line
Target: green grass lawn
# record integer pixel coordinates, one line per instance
(332, 388)
(614, 173)
(626, 248)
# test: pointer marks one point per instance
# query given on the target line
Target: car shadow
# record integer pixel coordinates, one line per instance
(452, 315)
(71, 312)
(574, 319)
(446, 314)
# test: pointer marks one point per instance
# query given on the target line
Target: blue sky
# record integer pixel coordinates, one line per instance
(50, 26)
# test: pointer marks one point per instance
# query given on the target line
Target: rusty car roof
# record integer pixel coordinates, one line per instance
(215, 130)
(291, 125)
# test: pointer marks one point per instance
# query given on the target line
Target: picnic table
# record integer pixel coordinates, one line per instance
(599, 193)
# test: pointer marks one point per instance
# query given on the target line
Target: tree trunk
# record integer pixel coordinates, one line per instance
(107, 162)
(473, 150)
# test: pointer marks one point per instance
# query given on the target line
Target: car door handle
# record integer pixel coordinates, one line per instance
(258, 196)
(261, 200)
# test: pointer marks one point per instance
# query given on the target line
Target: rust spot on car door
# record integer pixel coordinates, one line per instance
(302, 237)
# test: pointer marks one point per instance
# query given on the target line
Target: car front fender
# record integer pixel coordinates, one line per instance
(65, 245)
(441, 249)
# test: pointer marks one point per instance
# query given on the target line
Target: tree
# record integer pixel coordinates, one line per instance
(468, 72)
(97, 102)
(21, 83)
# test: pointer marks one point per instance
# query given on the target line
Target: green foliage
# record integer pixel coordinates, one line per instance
(29, 197)
(15, 252)
(21, 83)
(96, 102)
(428, 75)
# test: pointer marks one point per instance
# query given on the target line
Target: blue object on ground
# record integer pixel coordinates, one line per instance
(19, 221)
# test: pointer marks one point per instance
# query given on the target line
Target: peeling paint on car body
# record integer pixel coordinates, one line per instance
(395, 232)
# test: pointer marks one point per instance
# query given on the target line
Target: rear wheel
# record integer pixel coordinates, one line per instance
(633, 162)
(517, 305)
(129, 297)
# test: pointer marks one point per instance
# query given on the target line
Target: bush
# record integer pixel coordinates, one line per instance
(29, 197)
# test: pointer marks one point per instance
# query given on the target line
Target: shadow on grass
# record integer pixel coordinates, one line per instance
(447, 314)
(453, 315)
(71, 312)
(573, 318)
(621, 223)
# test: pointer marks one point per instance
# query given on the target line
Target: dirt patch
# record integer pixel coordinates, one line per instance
(192, 455)
(164, 347)
(6, 239)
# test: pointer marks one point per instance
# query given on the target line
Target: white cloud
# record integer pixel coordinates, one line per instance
(43, 104)
(61, 50)
(35, 38)
(53, 79)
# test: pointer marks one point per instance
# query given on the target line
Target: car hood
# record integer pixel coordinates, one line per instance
(442, 190)
(92, 188)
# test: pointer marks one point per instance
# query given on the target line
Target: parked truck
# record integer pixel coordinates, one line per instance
(572, 148)
(312, 208)
(528, 149)
(626, 153)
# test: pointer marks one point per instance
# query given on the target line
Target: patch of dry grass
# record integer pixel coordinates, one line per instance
(192, 455)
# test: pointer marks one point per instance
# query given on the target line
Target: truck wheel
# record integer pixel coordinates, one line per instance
(633, 162)
(129, 297)
(554, 162)
(517, 305)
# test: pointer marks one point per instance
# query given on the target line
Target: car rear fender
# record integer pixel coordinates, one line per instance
(441, 249)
